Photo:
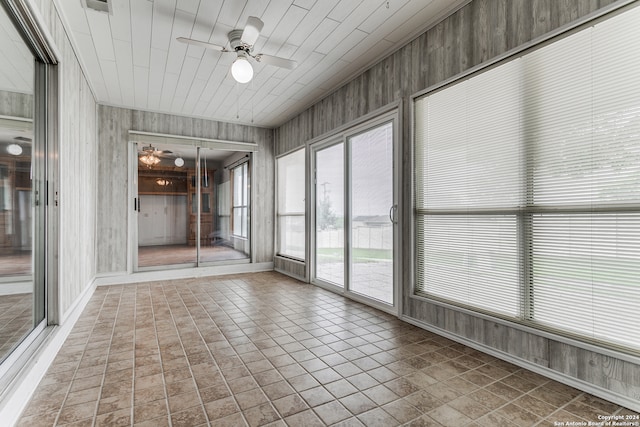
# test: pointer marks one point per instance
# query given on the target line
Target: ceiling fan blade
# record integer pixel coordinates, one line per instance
(252, 30)
(277, 61)
(202, 44)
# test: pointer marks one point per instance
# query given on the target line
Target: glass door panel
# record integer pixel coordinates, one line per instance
(167, 205)
(354, 222)
(329, 215)
(224, 220)
(371, 244)
(19, 293)
(22, 174)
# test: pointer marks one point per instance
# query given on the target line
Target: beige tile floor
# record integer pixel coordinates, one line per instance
(16, 320)
(263, 349)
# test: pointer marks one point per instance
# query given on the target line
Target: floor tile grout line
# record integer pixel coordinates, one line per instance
(133, 355)
(106, 362)
(226, 382)
(186, 356)
(213, 357)
(155, 329)
(75, 371)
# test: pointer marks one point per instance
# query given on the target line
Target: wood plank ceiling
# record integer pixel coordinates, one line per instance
(132, 59)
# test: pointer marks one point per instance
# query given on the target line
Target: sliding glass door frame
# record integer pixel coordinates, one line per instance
(200, 147)
(343, 137)
(44, 176)
(313, 256)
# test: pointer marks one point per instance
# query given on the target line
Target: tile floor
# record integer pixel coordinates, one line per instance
(159, 255)
(16, 320)
(263, 349)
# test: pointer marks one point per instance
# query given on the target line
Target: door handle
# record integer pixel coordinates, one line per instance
(392, 213)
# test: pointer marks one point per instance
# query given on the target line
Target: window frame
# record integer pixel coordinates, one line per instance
(523, 214)
(244, 206)
(280, 215)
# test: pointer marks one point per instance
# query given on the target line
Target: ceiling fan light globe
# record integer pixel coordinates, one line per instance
(241, 70)
(14, 149)
(179, 162)
(150, 160)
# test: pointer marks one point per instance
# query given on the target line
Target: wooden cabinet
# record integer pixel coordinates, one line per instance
(206, 208)
(162, 181)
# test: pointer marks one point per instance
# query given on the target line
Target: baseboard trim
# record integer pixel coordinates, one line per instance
(26, 381)
(21, 287)
(603, 393)
(182, 273)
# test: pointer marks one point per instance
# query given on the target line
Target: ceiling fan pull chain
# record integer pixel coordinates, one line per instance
(252, 95)
(237, 101)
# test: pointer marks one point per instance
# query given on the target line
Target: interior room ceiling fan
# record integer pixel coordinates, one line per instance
(241, 42)
(151, 156)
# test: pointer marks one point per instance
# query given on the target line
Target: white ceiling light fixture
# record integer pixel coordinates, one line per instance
(241, 70)
(179, 162)
(241, 42)
(14, 149)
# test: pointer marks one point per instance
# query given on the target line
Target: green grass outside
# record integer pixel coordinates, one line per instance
(363, 254)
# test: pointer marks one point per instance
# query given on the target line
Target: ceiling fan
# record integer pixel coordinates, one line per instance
(151, 156)
(241, 42)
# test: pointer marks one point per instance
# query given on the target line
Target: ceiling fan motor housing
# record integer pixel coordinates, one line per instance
(236, 42)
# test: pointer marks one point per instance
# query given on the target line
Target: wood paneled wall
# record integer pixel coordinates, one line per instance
(114, 125)
(289, 267)
(16, 104)
(78, 168)
(478, 32)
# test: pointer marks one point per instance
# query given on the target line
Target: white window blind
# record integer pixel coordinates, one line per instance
(527, 186)
(291, 204)
(468, 192)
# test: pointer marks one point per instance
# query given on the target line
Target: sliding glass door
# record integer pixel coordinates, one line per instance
(191, 204)
(354, 213)
(24, 204)
(167, 205)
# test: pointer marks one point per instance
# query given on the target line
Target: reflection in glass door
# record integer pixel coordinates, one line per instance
(355, 211)
(167, 205)
(23, 205)
(191, 204)
(19, 293)
(223, 237)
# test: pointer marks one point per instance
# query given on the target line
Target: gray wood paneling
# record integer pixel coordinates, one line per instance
(289, 267)
(479, 32)
(16, 104)
(114, 125)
